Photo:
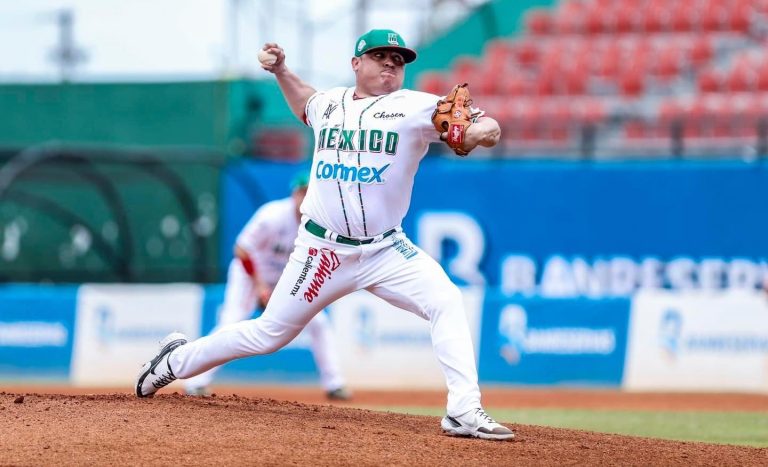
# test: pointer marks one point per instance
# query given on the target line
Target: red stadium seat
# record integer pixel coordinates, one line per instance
(569, 18)
(740, 79)
(515, 85)
(527, 119)
(464, 70)
(655, 19)
(610, 61)
(539, 22)
(762, 77)
(681, 18)
(632, 83)
(545, 85)
(596, 21)
(669, 63)
(591, 111)
(713, 17)
(709, 81)
(701, 51)
(432, 82)
(526, 52)
(625, 18)
(498, 51)
(740, 19)
(574, 82)
(556, 119)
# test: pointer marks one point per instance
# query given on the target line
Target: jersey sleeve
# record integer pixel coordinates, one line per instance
(310, 109)
(426, 104)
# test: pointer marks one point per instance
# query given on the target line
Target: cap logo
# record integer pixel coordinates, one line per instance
(361, 45)
(392, 39)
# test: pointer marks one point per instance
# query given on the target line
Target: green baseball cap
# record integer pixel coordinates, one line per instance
(300, 180)
(383, 39)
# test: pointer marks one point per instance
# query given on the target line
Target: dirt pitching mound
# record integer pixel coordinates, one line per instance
(171, 429)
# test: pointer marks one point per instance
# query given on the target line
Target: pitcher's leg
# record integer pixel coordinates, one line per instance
(324, 352)
(418, 284)
(313, 278)
(239, 304)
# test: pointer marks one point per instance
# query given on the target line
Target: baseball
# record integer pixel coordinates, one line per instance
(267, 58)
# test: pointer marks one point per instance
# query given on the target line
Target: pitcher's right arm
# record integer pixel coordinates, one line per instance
(295, 90)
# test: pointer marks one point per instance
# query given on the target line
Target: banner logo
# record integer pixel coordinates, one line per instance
(517, 338)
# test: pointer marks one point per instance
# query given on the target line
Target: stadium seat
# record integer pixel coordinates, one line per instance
(590, 111)
(526, 52)
(625, 19)
(740, 79)
(515, 85)
(762, 77)
(432, 82)
(539, 22)
(545, 85)
(655, 19)
(464, 70)
(701, 51)
(632, 83)
(610, 61)
(713, 17)
(709, 81)
(596, 21)
(498, 51)
(681, 18)
(527, 116)
(669, 63)
(740, 18)
(574, 82)
(569, 18)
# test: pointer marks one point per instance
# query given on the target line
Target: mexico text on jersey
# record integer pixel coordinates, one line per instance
(366, 154)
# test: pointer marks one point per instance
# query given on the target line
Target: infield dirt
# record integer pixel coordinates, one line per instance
(119, 429)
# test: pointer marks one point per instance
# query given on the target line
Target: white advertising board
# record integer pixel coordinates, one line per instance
(698, 341)
(118, 327)
(382, 346)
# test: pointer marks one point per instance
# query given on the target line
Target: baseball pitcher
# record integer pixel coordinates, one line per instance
(369, 141)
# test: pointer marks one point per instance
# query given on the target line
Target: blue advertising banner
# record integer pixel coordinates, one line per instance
(36, 332)
(561, 229)
(293, 363)
(553, 341)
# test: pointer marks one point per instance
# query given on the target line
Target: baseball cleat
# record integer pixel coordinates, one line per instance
(156, 373)
(476, 423)
(339, 394)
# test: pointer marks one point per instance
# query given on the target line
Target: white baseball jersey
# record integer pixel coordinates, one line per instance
(367, 152)
(268, 238)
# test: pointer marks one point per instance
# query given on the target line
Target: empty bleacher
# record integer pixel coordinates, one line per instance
(623, 78)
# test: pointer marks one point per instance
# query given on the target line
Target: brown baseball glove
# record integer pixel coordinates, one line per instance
(454, 115)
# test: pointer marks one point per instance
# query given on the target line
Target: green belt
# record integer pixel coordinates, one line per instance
(320, 231)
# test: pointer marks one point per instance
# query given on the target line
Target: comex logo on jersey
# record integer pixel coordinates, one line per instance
(345, 173)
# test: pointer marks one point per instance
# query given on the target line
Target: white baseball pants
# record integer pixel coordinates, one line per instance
(240, 300)
(319, 272)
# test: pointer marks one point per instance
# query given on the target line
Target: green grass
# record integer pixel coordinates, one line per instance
(740, 428)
